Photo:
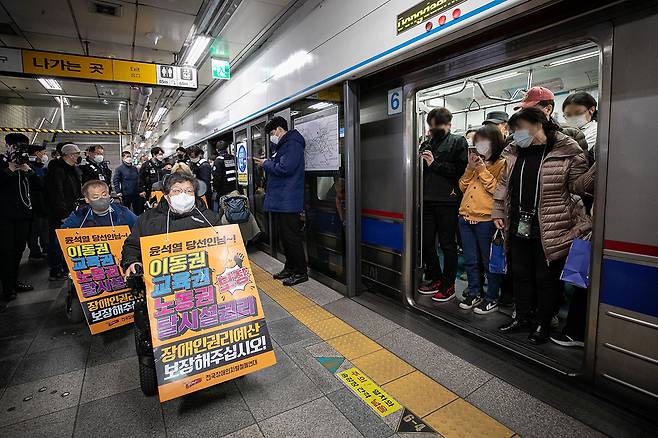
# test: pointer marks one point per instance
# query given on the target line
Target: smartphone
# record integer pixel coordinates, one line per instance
(472, 149)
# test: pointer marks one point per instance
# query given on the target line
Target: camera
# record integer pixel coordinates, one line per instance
(20, 154)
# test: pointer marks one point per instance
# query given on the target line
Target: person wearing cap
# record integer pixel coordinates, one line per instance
(38, 240)
(15, 214)
(544, 99)
(181, 155)
(62, 192)
(499, 119)
(445, 156)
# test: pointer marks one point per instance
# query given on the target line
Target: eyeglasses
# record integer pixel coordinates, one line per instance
(175, 192)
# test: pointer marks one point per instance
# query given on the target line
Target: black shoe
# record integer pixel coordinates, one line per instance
(567, 341)
(295, 279)
(9, 296)
(283, 274)
(23, 287)
(515, 325)
(540, 335)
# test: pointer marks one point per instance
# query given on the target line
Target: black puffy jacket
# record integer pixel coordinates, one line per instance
(441, 179)
(154, 221)
(63, 186)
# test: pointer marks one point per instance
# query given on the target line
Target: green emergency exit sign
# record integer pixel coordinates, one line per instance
(220, 69)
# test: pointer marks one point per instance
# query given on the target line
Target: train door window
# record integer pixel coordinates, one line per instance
(470, 99)
(259, 149)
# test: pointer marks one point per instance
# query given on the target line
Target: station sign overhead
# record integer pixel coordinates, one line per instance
(422, 12)
(39, 63)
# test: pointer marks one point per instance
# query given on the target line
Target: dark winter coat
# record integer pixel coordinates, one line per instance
(126, 180)
(96, 171)
(14, 207)
(120, 216)
(285, 175)
(154, 221)
(150, 173)
(441, 179)
(62, 190)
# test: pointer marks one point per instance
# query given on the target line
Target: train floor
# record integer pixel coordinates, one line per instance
(56, 380)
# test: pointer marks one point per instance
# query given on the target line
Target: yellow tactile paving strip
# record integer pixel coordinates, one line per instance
(443, 410)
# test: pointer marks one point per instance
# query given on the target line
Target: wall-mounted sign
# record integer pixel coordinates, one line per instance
(422, 12)
(221, 69)
(394, 101)
(39, 63)
(243, 169)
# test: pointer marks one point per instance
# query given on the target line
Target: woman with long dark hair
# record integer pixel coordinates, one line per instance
(533, 203)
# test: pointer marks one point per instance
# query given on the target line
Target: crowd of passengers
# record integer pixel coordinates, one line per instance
(527, 178)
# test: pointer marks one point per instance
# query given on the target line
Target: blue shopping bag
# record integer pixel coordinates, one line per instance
(576, 268)
(497, 261)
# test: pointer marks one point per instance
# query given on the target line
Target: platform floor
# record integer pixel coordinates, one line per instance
(56, 380)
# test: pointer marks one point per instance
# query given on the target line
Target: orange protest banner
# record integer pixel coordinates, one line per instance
(92, 256)
(207, 322)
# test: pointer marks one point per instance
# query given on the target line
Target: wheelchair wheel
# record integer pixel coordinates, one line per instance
(148, 380)
(73, 307)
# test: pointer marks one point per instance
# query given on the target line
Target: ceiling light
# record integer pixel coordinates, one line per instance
(294, 62)
(67, 102)
(159, 114)
(320, 105)
(573, 59)
(500, 78)
(147, 134)
(196, 49)
(50, 84)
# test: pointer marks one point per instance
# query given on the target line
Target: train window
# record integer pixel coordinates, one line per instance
(471, 98)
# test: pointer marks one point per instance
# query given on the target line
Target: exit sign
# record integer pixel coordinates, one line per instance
(220, 69)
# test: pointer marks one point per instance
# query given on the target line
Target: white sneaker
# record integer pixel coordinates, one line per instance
(566, 340)
(486, 307)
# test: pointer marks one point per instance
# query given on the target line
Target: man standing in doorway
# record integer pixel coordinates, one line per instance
(444, 159)
(285, 195)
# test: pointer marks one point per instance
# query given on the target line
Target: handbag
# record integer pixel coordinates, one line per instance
(576, 268)
(236, 208)
(497, 259)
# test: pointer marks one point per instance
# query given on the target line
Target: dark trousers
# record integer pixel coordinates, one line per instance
(535, 281)
(440, 220)
(39, 236)
(577, 315)
(133, 202)
(13, 238)
(292, 240)
(55, 256)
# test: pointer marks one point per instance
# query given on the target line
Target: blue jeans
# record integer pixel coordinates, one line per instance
(476, 239)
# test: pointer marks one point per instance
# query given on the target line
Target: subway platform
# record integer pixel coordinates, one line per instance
(59, 381)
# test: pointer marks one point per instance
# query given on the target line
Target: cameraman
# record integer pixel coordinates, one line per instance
(16, 214)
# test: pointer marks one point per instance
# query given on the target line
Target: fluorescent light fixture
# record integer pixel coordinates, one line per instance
(196, 50)
(294, 62)
(183, 135)
(147, 134)
(320, 105)
(67, 102)
(50, 84)
(573, 59)
(159, 114)
(500, 78)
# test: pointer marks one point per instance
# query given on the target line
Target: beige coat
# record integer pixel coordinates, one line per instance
(561, 214)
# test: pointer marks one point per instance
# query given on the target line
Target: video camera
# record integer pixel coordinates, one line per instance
(20, 155)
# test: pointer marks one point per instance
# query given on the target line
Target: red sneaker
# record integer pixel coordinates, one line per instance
(429, 287)
(445, 294)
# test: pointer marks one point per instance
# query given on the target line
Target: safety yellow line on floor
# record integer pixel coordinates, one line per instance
(439, 407)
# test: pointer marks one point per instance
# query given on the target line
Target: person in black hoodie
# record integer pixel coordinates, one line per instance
(63, 185)
(16, 214)
(178, 210)
(202, 169)
(445, 157)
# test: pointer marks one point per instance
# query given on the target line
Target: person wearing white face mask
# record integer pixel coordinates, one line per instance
(96, 168)
(580, 111)
(475, 224)
(125, 182)
(178, 210)
(151, 172)
(534, 204)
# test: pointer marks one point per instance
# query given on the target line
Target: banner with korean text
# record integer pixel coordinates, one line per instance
(92, 256)
(207, 322)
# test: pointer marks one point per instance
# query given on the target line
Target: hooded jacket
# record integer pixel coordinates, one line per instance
(161, 220)
(63, 186)
(285, 175)
(441, 179)
(85, 217)
(561, 215)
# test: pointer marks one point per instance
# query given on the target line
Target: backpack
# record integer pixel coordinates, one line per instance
(235, 208)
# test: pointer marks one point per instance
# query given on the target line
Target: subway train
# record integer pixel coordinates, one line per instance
(364, 202)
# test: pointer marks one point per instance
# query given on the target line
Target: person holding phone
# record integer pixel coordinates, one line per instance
(475, 224)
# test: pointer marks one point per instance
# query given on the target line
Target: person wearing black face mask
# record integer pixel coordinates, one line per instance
(62, 191)
(100, 211)
(444, 159)
(181, 155)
